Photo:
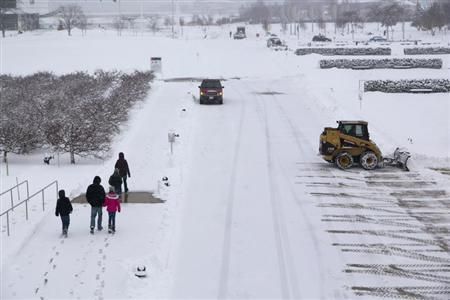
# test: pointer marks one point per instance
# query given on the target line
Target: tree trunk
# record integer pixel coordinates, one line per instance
(72, 157)
(5, 154)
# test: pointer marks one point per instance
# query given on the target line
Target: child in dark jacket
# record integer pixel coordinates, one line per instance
(112, 204)
(115, 180)
(63, 209)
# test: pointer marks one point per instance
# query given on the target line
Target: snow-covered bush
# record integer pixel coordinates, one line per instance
(426, 50)
(408, 86)
(76, 113)
(396, 63)
(344, 51)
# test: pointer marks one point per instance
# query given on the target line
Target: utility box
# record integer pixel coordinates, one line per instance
(156, 64)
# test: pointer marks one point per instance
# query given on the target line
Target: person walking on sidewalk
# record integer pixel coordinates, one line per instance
(112, 204)
(63, 209)
(115, 180)
(124, 170)
(95, 196)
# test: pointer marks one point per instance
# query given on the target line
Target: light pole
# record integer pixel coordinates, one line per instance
(173, 19)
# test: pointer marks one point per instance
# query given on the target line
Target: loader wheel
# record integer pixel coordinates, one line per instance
(344, 160)
(368, 160)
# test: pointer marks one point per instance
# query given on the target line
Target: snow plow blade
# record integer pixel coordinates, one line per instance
(399, 159)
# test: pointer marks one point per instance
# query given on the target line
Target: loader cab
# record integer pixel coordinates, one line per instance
(356, 129)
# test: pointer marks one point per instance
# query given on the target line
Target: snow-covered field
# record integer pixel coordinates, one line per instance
(251, 210)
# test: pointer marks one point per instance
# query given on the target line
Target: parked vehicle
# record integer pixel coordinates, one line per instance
(320, 38)
(240, 33)
(377, 39)
(276, 44)
(211, 91)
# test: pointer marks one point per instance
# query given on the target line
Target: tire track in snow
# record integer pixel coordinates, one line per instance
(224, 273)
(287, 272)
(299, 142)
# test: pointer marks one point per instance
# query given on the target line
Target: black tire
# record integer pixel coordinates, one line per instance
(368, 160)
(344, 160)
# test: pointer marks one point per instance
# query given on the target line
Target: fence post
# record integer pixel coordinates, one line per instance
(18, 189)
(26, 209)
(28, 191)
(7, 222)
(43, 206)
(12, 201)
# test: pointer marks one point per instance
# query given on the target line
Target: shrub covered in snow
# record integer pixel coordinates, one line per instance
(344, 51)
(426, 50)
(408, 86)
(387, 63)
(76, 113)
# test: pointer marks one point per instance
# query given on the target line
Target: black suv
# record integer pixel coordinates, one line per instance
(320, 38)
(211, 91)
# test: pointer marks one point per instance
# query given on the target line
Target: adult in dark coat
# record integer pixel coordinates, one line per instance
(124, 170)
(63, 209)
(95, 196)
(115, 180)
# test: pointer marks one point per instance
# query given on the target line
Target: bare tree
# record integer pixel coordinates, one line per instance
(7, 7)
(152, 23)
(433, 18)
(389, 14)
(119, 24)
(83, 24)
(70, 16)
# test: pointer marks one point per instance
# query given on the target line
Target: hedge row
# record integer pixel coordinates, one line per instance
(344, 51)
(396, 63)
(408, 86)
(426, 50)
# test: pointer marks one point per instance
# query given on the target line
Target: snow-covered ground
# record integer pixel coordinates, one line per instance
(251, 211)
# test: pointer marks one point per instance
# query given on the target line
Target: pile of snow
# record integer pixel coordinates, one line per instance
(426, 50)
(408, 86)
(344, 51)
(395, 63)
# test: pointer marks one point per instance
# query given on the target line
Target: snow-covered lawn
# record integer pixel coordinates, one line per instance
(251, 210)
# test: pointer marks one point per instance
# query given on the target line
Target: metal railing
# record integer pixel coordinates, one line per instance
(17, 186)
(41, 191)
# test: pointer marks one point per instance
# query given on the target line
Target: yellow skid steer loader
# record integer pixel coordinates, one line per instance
(349, 143)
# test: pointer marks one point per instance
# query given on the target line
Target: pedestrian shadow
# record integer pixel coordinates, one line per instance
(130, 197)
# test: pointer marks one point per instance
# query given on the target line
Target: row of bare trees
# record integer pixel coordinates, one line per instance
(76, 113)
(346, 14)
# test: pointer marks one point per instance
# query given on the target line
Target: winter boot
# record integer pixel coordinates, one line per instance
(92, 230)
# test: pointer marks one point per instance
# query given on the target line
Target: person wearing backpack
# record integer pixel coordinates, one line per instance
(115, 180)
(63, 209)
(95, 196)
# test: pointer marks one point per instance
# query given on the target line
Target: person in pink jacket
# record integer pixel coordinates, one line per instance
(112, 203)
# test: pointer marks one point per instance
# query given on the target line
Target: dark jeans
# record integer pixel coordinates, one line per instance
(94, 211)
(65, 222)
(118, 189)
(112, 220)
(125, 186)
